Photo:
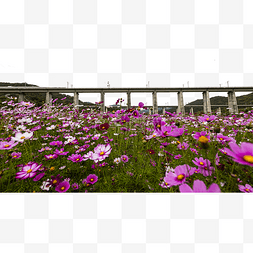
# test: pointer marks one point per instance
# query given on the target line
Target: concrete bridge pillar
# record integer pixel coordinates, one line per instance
(232, 102)
(191, 110)
(163, 110)
(155, 107)
(21, 97)
(49, 98)
(206, 102)
(180, 102)
(219, 110)
(102, 98)
(128, 100)
(76, 99)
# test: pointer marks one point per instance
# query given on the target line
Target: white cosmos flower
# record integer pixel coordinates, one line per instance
(21, 137)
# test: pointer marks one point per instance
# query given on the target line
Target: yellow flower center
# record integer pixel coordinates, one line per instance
(166, 183)
(102, 153)
(55, 181)
(221, 139)
(50, 156)
(14, 156)
(52, 168)
(6, 146)
(247, 190)
(154, 135)
(182, 146)
(207, 118)
(203, 139)
(88, 184)
(23, 137)
(77, 159)
(29, 171)
(201, 163)
(180, 177)
(158, 126)
(248, 158)
(91, 179)
(62, 188)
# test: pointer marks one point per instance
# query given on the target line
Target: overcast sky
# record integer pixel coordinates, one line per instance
(128, 43)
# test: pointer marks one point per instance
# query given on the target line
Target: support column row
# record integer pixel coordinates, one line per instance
(155, 107)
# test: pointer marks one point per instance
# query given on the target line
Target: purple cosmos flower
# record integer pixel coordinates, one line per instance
(28, 171)
(55, 180)
(91, 179)
(179, 175)
(243, 154)
(199, 186)
(200, 162)
(183, 146)
(207, 118)
(16, 155)
(60, 152)
(247, 188)
(124, 119)
(63, 186)
(39, 176)
(193, 150)
(124, 158)
(140, 104)
(75, 186)
(75, 158)
(56, 143)
(222, 138)
(7, 145)
(177, 156)
(101, 152)
(136, 114)
(165, 130)
(50, 157)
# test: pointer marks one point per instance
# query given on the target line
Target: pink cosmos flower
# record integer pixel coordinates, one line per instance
(198, 135)
(5, 145)
(222, 138)
(28, 171)
(243, 154)
(247, 188)
(179, 175)
(39, 176)
(91, 179)
(63, 186)
(199, 186)
(102, 151)
(16, 155)
(140, 104)
(176, 132)
(183, 146)
(75, 158)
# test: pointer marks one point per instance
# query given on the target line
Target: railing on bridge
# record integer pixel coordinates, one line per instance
(232, 102)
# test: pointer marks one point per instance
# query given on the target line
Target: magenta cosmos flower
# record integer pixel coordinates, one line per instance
(28, 171)
(247, 188)
(136, 114)
(60, 152)
(101, 152)
(199, 186)
(124, 158)
(63, 186)
(16, 155)
(7, 145)
(207, 118)
(179, 175)
(75, 158)
(56, 143)
(243, 154)
(50, 156)
(177, 132)
(201, 135)
(91, 179)
(183, 146)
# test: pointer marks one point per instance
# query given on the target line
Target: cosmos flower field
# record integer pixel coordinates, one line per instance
(62, 149)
